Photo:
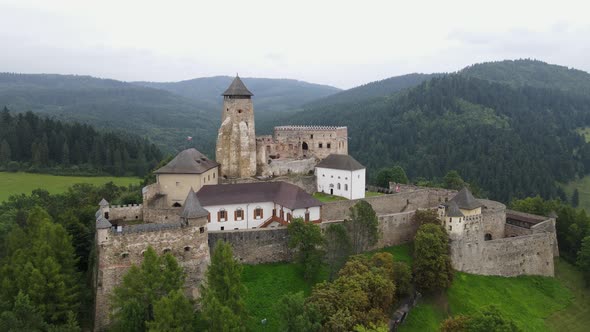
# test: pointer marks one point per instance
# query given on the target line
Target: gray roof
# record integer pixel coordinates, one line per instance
(103, 202)
(340, 161)
(237, 88)
(453, 210)
(192, 207)
(282, 193)
(189, 161)
(102, 223)
(465, 200)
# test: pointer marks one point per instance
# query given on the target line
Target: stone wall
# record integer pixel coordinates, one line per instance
(126, 212)
(280, 167)
(122, 250)
(255, 246)
(162, 215)
(494, 218)
(512, 231)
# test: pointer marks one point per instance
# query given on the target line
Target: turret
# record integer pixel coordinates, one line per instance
(236, 140)
(193, 214)
(104, 208)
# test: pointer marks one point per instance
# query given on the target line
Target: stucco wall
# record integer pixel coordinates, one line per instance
(347, 184)
(177, 186)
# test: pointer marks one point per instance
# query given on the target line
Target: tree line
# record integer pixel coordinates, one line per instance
(37, 144)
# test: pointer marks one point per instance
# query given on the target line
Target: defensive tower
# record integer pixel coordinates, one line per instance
(236, 140)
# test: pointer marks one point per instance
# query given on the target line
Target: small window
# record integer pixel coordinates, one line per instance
(311, 136)
(338, 186)
(222, 228)
(201, 230)
(239, 214)
(450, 228)
(208, 217)
(222, 215)
(239, 111)
(346, 186)
(214, 175)
(258, 213)
(323, 175)
(306, 216)
(187, 248)
(176, 204)
(166, 250)
(320, 145)
(328, 145)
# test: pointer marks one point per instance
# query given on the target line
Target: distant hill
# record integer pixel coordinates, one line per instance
(526, 72)
(381, 88)
(165, 118)
(270, 95)
(511, 140)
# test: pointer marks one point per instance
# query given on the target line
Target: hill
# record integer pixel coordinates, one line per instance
(166, 119)
(270, 95)
(526, 72)
(381, 88)
(511, 141)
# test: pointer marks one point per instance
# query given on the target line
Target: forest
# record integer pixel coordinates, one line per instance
(510, 141)
(39, 144)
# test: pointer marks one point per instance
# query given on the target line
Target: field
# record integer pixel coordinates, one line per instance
(24, 183)
(534, 303)
(583, 186)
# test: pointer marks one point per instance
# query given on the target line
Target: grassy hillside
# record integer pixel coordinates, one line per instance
(270, 95)
(526, 72)
(24, 183)
(534, 303)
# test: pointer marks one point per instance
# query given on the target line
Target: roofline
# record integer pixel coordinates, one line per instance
(164, 172)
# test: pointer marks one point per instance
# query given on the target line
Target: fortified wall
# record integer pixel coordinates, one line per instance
(483, 249)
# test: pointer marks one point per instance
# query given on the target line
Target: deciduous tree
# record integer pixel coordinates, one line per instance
(432, 265)
(337, 246)
(362, 226)
(306, 238)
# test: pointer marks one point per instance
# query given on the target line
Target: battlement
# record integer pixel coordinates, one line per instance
(125, 206)
(144, 228)
(295, 127)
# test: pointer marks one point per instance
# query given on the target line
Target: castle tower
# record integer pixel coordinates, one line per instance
(236, 140)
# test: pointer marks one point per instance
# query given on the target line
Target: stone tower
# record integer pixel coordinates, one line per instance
(236, 140)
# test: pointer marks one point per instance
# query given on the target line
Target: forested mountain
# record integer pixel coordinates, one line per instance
(29, 142)
(526, 72)
(510, 141)
(270, 95)
(381, 88)
(188, 108)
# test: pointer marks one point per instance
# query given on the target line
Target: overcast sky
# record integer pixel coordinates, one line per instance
(339, 43)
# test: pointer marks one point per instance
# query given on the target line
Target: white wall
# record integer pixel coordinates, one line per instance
(352, 184)
(249, 220)
(314, 213)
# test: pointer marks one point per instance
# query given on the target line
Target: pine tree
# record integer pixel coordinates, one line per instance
(5, 152)
(142, 287)
(223, 307)
(65, 154)
(576, 198)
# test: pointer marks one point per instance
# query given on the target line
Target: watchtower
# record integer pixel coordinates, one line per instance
(236, 140)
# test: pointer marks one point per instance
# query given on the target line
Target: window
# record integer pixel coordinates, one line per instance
(488, 237)
(214, 175)
(320, 145)
(209, 217)
(239, 214)
(222, 215)
(178, 184)
(289, 217)
(450, 228)
(346, 186)
(176, 204)
(311, 136)
(187, 248)
(222, 228)
(328, 145)
(201, 230)
(282, 214)
(338, 185)
(306, 216)
(258, 213)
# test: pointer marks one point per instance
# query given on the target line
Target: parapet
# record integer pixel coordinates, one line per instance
(310, 127)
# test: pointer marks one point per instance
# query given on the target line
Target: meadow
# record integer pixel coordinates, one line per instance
(583, 186)
(24, 183)
(534, 303)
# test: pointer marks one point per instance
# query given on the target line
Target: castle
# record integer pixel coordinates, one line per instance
(187, 211)
(294, 149)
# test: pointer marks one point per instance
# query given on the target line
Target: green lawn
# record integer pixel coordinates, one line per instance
(534, 303)
(583, 186)
(24, 183)
(373, 193)
(267, 283)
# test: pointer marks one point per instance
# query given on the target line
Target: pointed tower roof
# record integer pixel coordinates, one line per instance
(102, 223)
(192, 207)
(237, 88)
(453, 210)
(465, 200)
(103, 202)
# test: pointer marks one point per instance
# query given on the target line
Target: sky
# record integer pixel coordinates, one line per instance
(339, 43)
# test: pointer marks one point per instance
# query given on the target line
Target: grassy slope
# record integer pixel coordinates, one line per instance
(583, 186)
(528, 300)
(24, 183)
(267, 283)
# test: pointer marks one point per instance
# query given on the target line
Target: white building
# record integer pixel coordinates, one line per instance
(460, 209)
(341, 175)
(257, 205)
